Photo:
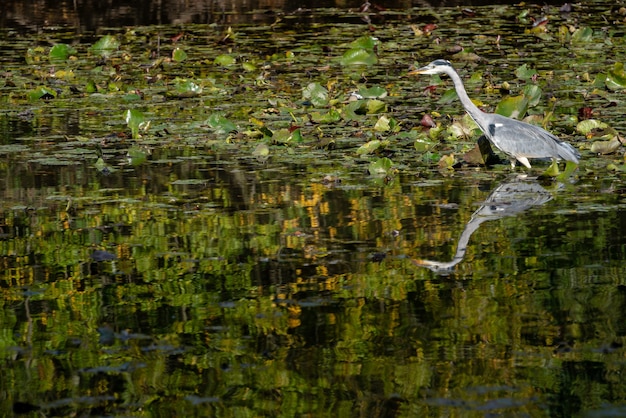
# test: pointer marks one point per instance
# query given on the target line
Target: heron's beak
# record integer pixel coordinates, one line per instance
(422, 263)
(417, 71)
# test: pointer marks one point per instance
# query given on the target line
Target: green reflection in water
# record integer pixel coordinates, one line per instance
(204, 281)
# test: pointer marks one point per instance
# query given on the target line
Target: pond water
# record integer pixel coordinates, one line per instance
(232, 232)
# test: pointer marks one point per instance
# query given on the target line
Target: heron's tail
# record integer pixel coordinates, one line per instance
(567, 152)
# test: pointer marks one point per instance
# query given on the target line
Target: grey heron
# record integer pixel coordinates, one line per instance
(518, 140)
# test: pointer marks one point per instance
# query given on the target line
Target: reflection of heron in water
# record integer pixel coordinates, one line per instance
(508, 199)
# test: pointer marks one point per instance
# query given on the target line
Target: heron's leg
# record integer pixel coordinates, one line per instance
(524, 161)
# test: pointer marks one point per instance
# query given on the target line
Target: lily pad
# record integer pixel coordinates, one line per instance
(179, 55)
(220, 124)
(381, 167)
(105, 46)
(41, 93)
(135, 120)
(616, 77)
(606, 147)
(525, 73)
(586, 126)
(375, 92)
(316, 94)
(513, 106)
(358, 56)
(224, 60)
(187, 88)
(369, 147)
(60, 52)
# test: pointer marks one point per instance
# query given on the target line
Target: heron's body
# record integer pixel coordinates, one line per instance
(518, 140)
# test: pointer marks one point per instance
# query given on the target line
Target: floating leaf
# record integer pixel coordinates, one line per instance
(375, 92)
(381, 167)
(376, 106)
(368, 147)
(261, 150)
(135, 120)
(353, 109)
(179, 55)
(606, 147)
(365, 42)
(189, 182)
(581, 35)
(513, 106)
(532, 92)
(105, 46)
(358, 56)
(316, 94)
(586, 126)
(424, 144)
(382, 125)
(41, 93)
(136, 156)
(220, 124)
(286, 136)
(60, 53)
(224, 60)
(616, 77)
(248, 66)
(187, 88)
(34, 55)
(331, 116)
(448, 96)
(525, 73)
(447, 161)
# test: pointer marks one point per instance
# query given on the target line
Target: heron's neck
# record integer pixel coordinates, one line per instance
(470, 107)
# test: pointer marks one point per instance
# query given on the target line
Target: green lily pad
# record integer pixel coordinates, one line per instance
(616, 77)
(316, 94)
(358, 56)
(287, 136)
(189, 182)
(525, 73)
(369, 147)
(179, 55)
(261, 150)
(60, 52)
(376, 106)
(41, 93)
(381, 167)
(582, 35)
(220, 124)
(382, 124)
(105, 46)
(331, 116)
(365, 42)
(423, 144)
(135, 120)
(375, 92)
(187, 88)
(533, 93)
(513, 106)
(224, 60)
(586, 126)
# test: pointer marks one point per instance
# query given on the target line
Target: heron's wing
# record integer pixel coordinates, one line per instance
(522, 140)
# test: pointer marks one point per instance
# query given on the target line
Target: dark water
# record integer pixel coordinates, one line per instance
(187, 275)
(85, 15)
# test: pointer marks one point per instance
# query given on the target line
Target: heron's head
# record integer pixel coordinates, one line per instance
(435, 67)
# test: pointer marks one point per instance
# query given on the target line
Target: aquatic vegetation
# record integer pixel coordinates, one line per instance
(220, 219)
